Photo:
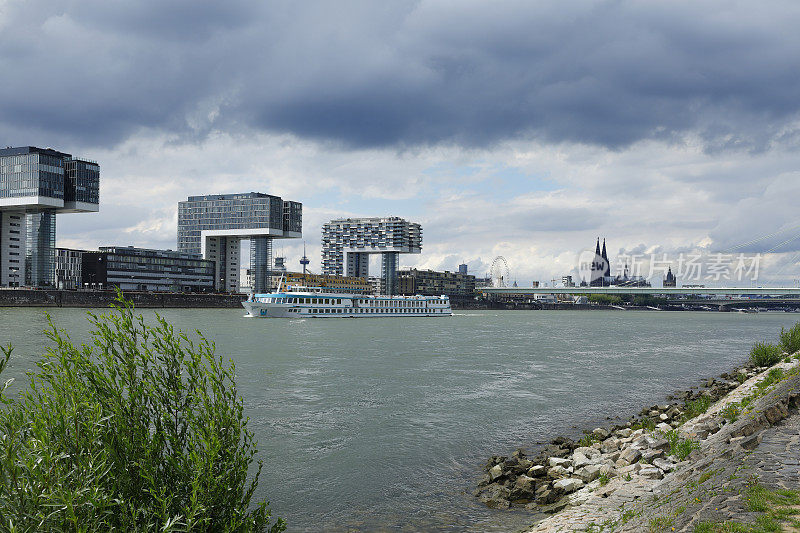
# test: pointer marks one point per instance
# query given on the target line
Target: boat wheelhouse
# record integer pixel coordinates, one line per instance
(314, 302)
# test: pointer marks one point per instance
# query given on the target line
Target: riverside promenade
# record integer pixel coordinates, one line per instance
(743, 476)
(96, 299)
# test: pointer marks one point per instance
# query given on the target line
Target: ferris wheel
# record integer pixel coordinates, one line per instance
(499, 272)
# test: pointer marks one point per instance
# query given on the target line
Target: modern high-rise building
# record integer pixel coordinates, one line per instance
(349, 241)
(35, 185)
(214, 226)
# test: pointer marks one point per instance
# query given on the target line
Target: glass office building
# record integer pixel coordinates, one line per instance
(35, 185)
(214, 226)
(347, 243)
(142, 269)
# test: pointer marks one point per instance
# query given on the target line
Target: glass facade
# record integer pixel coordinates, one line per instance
(40, 246)
(41, 182)
(32, 174)
(231, 212)
(132, 268)
(238, 216)
(260, 261)
(82, 181)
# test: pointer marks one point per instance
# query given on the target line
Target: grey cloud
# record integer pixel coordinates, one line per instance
(403, 74)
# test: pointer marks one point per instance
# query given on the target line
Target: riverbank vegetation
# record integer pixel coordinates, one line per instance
(140, 430)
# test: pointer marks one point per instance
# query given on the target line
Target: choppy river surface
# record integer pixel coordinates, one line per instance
(382, 423)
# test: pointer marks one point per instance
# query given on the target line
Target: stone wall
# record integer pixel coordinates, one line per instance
(144, 300)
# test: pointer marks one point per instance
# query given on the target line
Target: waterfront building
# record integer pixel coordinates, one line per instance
(68, 268)
(567, 281)
(377, 284)
(142, 269)
(347, 243)
(670, 280)
(343, 284)
(456, 285)
(35, 185)
(214, 226)
(462, 268)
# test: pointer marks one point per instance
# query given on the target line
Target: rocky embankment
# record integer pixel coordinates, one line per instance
(553, 478)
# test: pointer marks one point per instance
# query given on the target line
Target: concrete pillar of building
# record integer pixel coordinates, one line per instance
(389, 262)
(261, 263)
(40, 249)
(357, 264)
(13, 236)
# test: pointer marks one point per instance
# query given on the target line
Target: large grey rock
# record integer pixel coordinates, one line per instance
(524, 489)
(537, 471)
(600, 433)
(630, 455)
(559, 461)
(651, 472)
(555, 507)
(608, 470)
(567, 485)
(545, 494)
(496, 472)
(663, 427)
(589, 451)
(609, 445)
(664, 464)
(557, 472)
(579, 460)
(624, 432)
(588, 473)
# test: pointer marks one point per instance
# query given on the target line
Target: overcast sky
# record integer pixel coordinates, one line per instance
(522, 129)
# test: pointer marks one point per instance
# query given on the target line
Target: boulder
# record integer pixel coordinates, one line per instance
(523, 489)
(588, 473)
(609, 445)
(651, 472)
(663, 427)
(648, 456)
(557, 472)
(537, 471)
(558, 461)
(496, 472)
(663, 464)
(630, 455)
(579, 460)
(555, 507)
(545, 495)
(608, 470)
(663, 417)
(600, 433)
(624, 432)
(568, 485)
(659, 444)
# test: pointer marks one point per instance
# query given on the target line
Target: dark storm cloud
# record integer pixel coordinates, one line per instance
(403, 74)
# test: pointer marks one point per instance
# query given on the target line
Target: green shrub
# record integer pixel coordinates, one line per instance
(741, 377)
(790, 339)
(765, 354)
(142, 429)
(678, 447)
(604, 479)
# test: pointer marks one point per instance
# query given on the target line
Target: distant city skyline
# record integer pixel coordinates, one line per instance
(514, 129)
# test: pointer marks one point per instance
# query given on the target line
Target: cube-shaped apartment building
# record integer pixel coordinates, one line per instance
(35, 185)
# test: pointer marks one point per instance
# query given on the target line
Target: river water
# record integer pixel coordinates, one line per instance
(381, 423)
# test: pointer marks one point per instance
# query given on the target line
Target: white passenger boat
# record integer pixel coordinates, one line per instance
(315, 302)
